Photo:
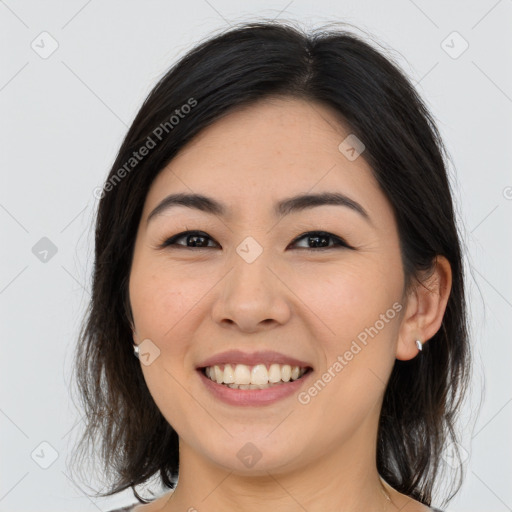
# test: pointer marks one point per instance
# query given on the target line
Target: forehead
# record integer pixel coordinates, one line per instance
(266, 151)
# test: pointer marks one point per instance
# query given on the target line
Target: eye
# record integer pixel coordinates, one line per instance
(320, 239)
(199, 240)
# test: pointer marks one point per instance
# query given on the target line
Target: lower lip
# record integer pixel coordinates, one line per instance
(253, 396)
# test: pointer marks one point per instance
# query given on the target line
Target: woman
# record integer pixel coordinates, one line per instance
(276, 245)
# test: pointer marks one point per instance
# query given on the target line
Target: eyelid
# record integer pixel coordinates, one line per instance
(170, 241)
(339, 242)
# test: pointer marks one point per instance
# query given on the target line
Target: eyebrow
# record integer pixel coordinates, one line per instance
(284, 207)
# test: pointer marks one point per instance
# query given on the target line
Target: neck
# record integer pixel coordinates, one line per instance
(342, 480)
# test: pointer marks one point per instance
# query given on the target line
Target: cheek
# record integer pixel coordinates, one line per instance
(150, 298)
(350, 297)
(161, 297)
(160, 303)
(357, 318)
(356, 323)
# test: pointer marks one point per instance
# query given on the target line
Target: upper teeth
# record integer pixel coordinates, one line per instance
(258, 374)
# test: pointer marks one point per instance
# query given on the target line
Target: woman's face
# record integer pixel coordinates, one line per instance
(249, 283)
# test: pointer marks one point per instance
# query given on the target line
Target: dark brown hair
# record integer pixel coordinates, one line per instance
(403, 147)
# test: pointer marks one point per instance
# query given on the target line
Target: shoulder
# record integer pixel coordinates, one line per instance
(152, 506)
(130, 508)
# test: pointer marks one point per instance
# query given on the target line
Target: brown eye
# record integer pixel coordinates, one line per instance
(196, 239)
(321, 240)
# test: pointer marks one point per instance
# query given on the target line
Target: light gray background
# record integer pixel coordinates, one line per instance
(62, 120)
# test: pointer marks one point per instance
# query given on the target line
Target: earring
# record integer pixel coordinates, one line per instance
(136, 350)
(419, 345)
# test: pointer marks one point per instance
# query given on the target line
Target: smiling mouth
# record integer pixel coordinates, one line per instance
(259, 376)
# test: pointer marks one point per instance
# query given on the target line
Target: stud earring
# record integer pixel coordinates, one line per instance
(136, 350)
(419, 345)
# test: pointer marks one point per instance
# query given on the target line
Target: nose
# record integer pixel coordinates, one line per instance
(252, 297)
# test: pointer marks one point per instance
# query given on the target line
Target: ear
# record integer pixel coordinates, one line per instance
(426, 304)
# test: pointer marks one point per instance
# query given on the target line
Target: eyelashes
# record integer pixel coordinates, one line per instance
(200, 239)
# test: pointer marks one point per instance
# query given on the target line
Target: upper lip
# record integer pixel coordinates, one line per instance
(251, 359)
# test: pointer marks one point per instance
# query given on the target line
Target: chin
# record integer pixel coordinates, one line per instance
(256, 455)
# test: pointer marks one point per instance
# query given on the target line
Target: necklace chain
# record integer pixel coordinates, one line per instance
(383, 488)
(385, 492)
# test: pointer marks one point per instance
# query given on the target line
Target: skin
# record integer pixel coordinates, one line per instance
(193, 303)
